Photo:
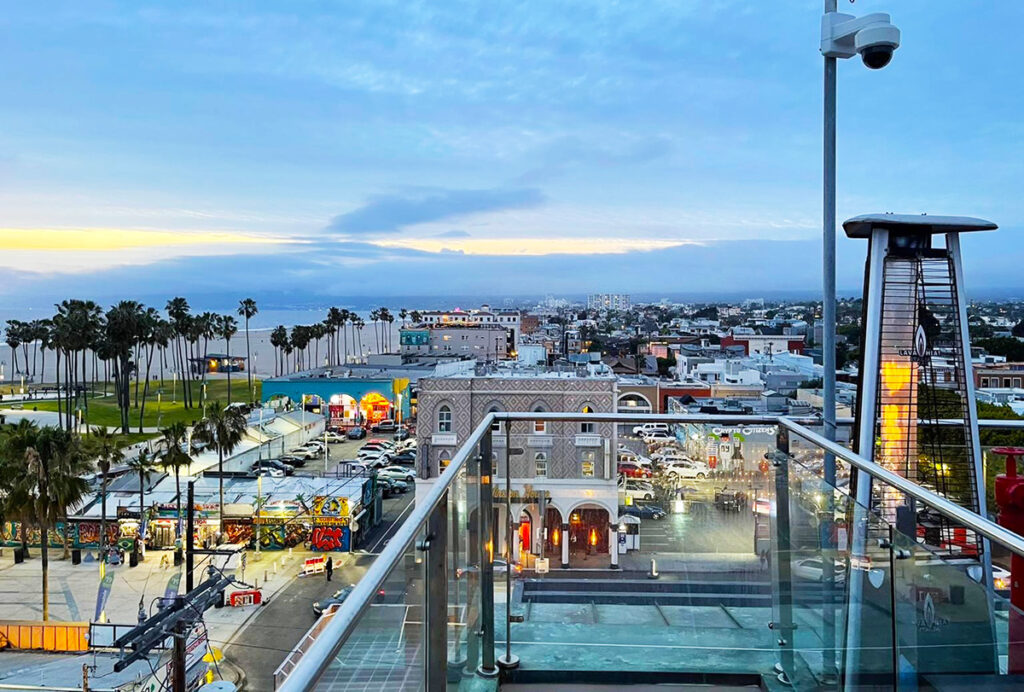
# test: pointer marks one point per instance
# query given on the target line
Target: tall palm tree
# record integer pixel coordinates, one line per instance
(68, 485)
(13, 339)
(142, 465)
(178, 313)
(228, 327)
(174, 458)
(375, 316)
(247, 309)
(279, 339)
(16, 440)
(103, 444)
(223, 428)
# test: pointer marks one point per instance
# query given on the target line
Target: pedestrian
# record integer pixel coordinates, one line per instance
(330, 567)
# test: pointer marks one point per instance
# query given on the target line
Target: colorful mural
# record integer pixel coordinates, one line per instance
(82, 534)
(328, 538)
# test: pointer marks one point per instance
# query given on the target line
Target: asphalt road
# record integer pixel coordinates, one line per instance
(261, 647)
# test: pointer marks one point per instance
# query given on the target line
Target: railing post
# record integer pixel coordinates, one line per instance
(435, 613)
(486, 518)
(509, 659)
(783, 573)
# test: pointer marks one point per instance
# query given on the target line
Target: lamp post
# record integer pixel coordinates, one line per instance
(875, 38)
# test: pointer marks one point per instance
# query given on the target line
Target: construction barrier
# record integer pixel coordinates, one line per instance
(313, 565)
(245, 598)
(44, 636)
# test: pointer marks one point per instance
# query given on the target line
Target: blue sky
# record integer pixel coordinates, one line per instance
(511, 147)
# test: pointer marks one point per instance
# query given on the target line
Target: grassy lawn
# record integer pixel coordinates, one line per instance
(161, 408)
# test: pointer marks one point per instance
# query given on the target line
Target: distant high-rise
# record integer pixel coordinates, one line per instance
(608, 301)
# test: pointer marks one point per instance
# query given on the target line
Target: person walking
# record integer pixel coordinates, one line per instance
(329, 567)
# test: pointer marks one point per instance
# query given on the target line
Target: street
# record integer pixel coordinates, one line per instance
(261, 646)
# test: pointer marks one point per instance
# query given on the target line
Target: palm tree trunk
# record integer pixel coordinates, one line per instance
(177, 485)
(220, 483)
(67, 537)
(45, 552)
(142, 501)
(103, 516)
(228, 346)
(248, 356)
(145, 390)
(60, 402)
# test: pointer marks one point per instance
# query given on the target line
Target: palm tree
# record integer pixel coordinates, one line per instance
(13, 339)
(173, 459)
(68, 485)
(223, 428)
(279, 339)
(228, 327)
(403, 313)
(16, 440)
(142, 465)
(375, 316)
(104, 446)
(358, 325)
(247, 309)
(415, 316)
(177, 311)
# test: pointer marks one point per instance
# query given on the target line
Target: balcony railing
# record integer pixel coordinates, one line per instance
(822, 592)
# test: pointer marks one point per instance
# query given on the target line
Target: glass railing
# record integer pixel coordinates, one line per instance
(732, 563)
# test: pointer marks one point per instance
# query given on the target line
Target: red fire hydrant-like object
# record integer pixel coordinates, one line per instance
(1010, 499)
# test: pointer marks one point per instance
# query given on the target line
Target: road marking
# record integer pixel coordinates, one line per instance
(394, 526)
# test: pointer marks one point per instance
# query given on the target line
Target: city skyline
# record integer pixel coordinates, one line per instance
(512, 150)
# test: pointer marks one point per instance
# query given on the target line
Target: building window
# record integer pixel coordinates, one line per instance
(496, 425)
(444, 420)
(446, 458)
(587, 463)
(494, 463)
(539, 426)
(587, 427)
(540, 460)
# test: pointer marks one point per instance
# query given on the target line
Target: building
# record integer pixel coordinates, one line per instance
(609, 301)
(564, 492)
(999, 375)
(217, 362)
(485, 342)
(765, 344)
(510, 320)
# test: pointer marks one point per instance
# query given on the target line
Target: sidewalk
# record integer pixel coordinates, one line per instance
(73, 590)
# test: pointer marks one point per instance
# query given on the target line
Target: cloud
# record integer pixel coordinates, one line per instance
(564, 153)
(454, 234)
(386, 214)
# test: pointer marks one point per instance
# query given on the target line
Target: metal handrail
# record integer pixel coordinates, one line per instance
(332, 638)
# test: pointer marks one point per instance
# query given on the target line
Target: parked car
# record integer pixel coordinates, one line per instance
(293, 459)
(356, 433)
(404, 458)
(335, 600)
(631, 470)
(376, 445)
(334, 437)
(633, 457)
(812, 569)
(636, 489)
(305, 453)
(394, 484)
(314, 444)
(386, 425)
(685, 469)
(402, 433)
(406, 445)
(269, 471)
(656, 436)
(285, 468)
(397, 472)
(648, 428)
(376, 460)
(644, 511)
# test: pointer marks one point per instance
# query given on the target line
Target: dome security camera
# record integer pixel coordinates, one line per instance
(873, 36)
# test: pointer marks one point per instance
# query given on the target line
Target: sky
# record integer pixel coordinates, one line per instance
(431, 148)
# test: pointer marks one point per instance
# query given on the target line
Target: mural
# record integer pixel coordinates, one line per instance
(281, 536)
(81, 534)
(328, 538)
(238, 532)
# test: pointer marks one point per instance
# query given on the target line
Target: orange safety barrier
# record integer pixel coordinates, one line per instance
(44, 636)
(244, 598)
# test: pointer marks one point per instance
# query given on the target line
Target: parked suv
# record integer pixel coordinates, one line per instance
(636, 489)
(386, 425)
(647, 428)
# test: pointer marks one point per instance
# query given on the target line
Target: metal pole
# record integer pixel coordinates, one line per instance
(487, 668)
(784, 628)
(178, 660)
(508, 659)
(435, 621)
(190, 538)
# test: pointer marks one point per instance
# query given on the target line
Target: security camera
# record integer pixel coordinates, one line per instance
(873, 36)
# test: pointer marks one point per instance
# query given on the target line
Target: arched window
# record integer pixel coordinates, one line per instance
(587, 427)
(445, 459)
(540, 427)
(444, 419)
(496, 425)
(540, 461)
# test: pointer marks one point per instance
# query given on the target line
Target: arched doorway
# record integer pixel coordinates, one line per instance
(588, 536)
(553, 535)
(374, 408)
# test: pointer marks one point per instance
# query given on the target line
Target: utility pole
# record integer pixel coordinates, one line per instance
(190, 526)
(178, 672)
(85, 677)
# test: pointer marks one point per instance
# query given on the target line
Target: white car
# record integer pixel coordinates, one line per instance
(306, 453)
(683, 469)
(634, 458)
(334, 438)
(657, 436)
(636, 489)
(404, 445)
(648, 428)
(398, 473)
(812, 569)
(375, 458)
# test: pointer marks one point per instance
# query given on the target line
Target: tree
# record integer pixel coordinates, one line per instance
(16, 441)
(247, 309)
(142, 465)
(279, 340)
(124, 328)
(105, 447)
(1010, 348)
(415, 316)
(181, 320)
(228, 327)
(403, 313)
(13, 339)
(174, 459)
(1018, 329)
(222, 428)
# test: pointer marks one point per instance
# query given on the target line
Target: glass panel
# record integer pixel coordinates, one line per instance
(463, 501)
(385, 650)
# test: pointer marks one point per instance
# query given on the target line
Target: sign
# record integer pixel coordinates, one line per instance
(541, 565)
(172, 586)
(103, 595)
(399, 385)
(332, 511)
(528, 495)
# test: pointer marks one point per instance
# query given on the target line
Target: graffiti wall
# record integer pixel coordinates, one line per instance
(281, 536)
(328, 538)
(81, 534)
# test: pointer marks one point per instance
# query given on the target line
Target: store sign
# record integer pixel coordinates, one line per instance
(330, 511)
(746, 430)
